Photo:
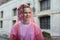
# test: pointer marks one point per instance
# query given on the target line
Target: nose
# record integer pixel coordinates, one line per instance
(27, 13)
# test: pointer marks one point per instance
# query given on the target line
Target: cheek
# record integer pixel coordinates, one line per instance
(30, 15)
(24, 15)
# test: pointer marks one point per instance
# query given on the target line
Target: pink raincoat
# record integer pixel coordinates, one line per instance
(33, 32)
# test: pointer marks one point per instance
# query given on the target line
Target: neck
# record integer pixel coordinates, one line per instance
(26, 22)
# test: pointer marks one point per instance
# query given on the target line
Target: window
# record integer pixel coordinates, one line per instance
(14, 11)
(1, 14)
(14, 21)
(1, 24)
(33, 9)
(44, 5)
(45, 22)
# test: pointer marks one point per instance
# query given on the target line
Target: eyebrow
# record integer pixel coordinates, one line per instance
(27, 12)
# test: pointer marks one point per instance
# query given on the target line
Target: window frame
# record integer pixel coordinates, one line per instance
(1, 24)
(14, 11)
(44, 2)
(45, 24)
(1, 14)
(14, 21)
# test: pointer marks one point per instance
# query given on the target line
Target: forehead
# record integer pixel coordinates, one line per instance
(27, 10)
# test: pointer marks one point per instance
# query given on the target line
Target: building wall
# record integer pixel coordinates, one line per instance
(55, 5)
(55, 24)
(53, 13)
(7, 16)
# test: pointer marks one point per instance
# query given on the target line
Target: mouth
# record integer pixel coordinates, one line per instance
(27, 16)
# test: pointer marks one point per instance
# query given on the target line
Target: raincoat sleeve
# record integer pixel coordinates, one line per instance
(13, 33)
(38, 33)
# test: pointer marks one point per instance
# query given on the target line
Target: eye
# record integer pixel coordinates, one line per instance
(27, 12)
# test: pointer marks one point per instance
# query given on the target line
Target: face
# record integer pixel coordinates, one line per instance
(26, 14)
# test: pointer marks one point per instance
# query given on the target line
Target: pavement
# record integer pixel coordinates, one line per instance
(3, 38)
(56, 38)
(53, 38)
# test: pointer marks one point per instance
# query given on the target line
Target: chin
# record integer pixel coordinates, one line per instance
(27, 19)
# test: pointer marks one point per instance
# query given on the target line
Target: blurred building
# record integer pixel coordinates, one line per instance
(3, 1)
(46, 14)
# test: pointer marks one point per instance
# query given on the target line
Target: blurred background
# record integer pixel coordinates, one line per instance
(46, 15)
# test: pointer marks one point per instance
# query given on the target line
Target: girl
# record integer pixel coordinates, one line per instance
(25, 28)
